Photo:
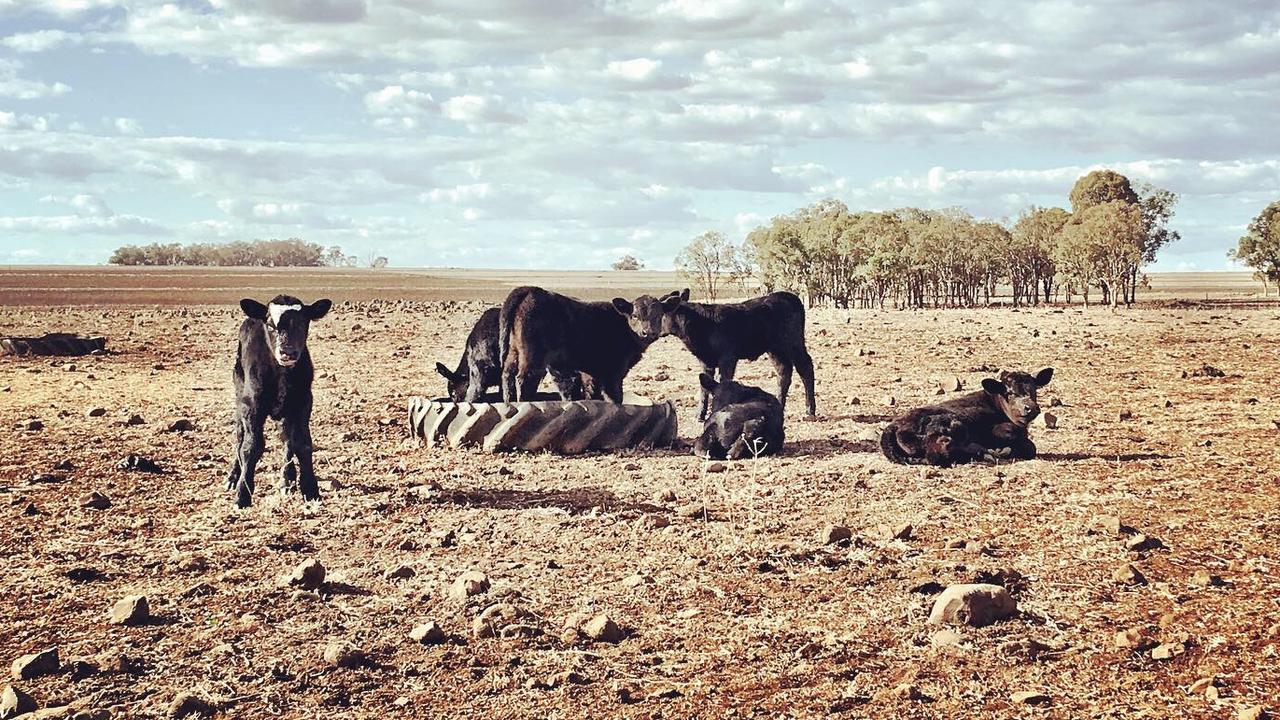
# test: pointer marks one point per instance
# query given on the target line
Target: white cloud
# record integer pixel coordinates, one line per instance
(40, 40)
(13, 86)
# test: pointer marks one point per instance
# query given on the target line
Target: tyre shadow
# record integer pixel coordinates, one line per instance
(1121, 457)
(575, 500)
(829, 447)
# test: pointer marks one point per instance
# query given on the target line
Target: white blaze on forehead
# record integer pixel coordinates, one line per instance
(279, 310)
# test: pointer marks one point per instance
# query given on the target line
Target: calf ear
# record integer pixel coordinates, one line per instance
(622, 306)
(995, 387)
(708, 383)
(253, 309)
(1044, 376)
(440, 368)
(671, 302)
(684, 295)
(317, 309)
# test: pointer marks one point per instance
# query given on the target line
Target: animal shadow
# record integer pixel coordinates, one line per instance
(830, 447)
(575, 500)
(1122, 457)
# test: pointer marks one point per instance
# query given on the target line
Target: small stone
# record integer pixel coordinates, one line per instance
(1168, 651)
(977, 604)
(602, 628)
(14, 702)
(428, 633)
(135, 420)
(33, 425)
(890, 401)
(1205, 579)
(855, 400)
(717, 467)
(130, 610)
(652, 521)
(96, 412)
(344, 655)
(468, 584)
(692, 511)
(1029, 697)
(632, 467)
(904, 691)
(945, 638)
(1134, 639)
(181, 425)
(309, 575)
(1126, 414)
(1251, 712)
(96, 501)
(1199, 686)
(1129, 574)
(634, 581)
(187, 704)
(1139, 542)
(500, 620)
(1050, 421)
(666, 495)
(900, 532)
(1113, 526)
(34, 665)
(401, 572)
(833, 533)
(46, 479)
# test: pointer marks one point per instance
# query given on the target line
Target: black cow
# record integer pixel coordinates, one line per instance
(745, 422)
(480, 367)
(719, 335)
(273, 377)
(990, 422)
(544, 331)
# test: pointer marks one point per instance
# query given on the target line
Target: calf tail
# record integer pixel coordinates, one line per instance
(892, 450)
(506, 320)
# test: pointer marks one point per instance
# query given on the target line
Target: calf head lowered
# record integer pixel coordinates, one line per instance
(1015, 394)
(744, 422)
(287, 321)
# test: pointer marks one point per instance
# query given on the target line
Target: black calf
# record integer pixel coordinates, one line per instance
(745, 422)
(273, 377)
(719, 335)
(481, 366)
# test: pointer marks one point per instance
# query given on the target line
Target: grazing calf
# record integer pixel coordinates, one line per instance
(481, 365)
(273, 377)
(991, 421)
(719, 335)
(542, 332)
(745, 422)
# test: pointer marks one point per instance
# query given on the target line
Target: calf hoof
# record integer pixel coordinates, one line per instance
(244, 500)
(288, 478)
(311, 495)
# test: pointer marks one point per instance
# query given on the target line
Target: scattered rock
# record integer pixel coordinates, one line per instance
(666, 495)
(401, 572)
(717, 467)
(1200, 686)
(309, 575)
(1126, 414)
(135, 420)
(1050, 421)
(14, 702)
(945, 638)
(634, 581)
(428, 633)
(602, 628)
(1129, 574)
(1205, 371)
(977, 604)
(33, 425)
(890, 401)
(34, 665)
(900, 532)
(1139, 542)
(1251, 712)
(130, 610)
(1205, 579)
(502, 620)
(832, 534)
(139, 463)
(632, 467)
(96, 501)
(468, 584)
(904, 691)
(1168, 651)
(652, 521)
(1134, 639)
(181, 425)
(187, 704)
(855, 400)
(1029, 697)
(84, 574)
(692, 511)
(1113, 526)
(344, 655)
(47, 479)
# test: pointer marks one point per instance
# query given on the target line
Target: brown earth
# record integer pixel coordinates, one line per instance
(740, 612)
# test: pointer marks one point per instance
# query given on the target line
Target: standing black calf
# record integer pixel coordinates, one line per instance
(480, 367)
(273, 379)
(745, 422)
(720, 335)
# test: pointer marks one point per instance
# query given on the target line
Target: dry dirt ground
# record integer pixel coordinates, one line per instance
(743, 611)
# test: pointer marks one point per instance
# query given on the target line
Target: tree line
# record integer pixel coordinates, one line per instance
(292, 252)
(913, 258)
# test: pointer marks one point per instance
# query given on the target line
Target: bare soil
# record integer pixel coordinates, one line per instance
(739, 611)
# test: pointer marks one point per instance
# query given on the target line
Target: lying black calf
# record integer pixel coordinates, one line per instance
(992, 421)
(744, 422)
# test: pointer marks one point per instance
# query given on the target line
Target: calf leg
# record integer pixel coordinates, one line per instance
(251, 447)
(297, 432)
(704, 396)
(288, 473)
(510, 368)
(234, 475)
(804, 365)
(783, 366)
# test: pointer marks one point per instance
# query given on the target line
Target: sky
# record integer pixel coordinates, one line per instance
(562, 134)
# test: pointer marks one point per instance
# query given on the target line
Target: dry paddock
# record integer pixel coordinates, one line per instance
(740, 611)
